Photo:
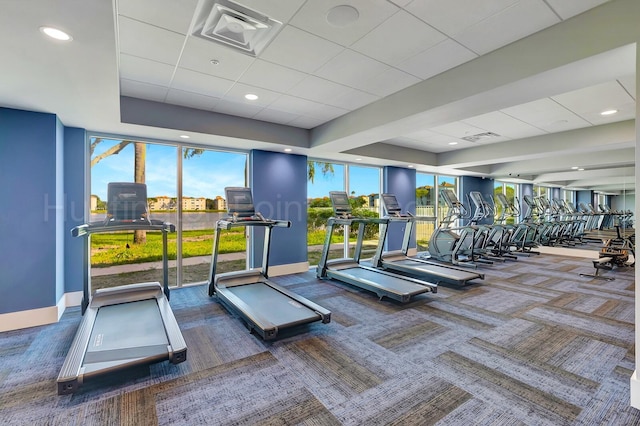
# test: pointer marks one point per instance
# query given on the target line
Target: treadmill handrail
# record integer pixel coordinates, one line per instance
(102, 226)
(111, 225)
(228, 223)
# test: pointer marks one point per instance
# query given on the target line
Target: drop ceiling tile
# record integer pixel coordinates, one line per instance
(274, 116)
(457, 129)
(439, 58)
(279, 10)
(518, 21)
(312, 17)
(568, 8)
(594, 99)
(145, 70)
(173, 15)
(136, 89)
(398, 38)
(453, 16)
(401, 3)
(352, 99)
(547, 115)
(350, 67)
(629, 84)
(271, 76)
(626, 111)
(300, 50)
(317, 89)
(306, 122)
(328, 112)
(294, 105)
(204, 84)
(146, 41)
(388, 82)
(503, 125)
(198, 53)
(237, 109)
(191, 100)
(237, 92)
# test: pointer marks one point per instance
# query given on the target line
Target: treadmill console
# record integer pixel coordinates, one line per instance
(127, 202)
(240, 203)
(340, 203)
(391, 205)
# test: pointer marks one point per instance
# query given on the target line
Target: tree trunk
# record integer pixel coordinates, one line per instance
(140, 237)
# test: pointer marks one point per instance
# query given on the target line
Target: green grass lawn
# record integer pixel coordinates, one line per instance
(119, 249)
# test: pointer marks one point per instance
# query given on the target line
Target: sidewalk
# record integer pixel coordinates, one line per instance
(135, 267)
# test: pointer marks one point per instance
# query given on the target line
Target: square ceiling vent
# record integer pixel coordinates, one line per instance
(235, 26)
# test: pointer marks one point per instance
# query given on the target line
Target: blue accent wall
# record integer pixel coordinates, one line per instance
(279, 185)
(585, 197)
(402, 183)
(482, 185)
(75, 249)
(28, 153)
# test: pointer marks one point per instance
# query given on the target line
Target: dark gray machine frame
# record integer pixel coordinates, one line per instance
(400, 261)
(351, 271)
(265, 307)
(126, 325)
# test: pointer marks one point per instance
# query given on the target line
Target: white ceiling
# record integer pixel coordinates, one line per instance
(398, 86)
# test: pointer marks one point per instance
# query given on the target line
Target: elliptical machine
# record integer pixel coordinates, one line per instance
(451, 244)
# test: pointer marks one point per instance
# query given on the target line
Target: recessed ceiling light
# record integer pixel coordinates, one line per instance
(358, 159)
(453, 143)
(574, 168)
(580, 169)
(609, 112)
(185, 136)
(251, 97)
(410, 166)
(214, 62)
(56, 33)
(288, 150)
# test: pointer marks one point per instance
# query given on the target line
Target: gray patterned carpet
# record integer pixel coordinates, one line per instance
(532, 344)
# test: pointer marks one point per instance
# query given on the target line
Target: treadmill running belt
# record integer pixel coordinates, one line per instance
(268, 303)
(383, 280)
(453, 273)
(127, 330)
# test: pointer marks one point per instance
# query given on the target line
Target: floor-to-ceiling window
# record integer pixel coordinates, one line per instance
(131, 256)
(426, 202)
(322, 178)
(185, 186)
(205, 175)
(362, 184)
(509, 190)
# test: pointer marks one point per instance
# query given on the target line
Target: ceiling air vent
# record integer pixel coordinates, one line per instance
(480, 136)
(235, 26)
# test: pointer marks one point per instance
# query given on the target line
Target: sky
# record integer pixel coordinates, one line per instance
(208, 174)
(205, 175)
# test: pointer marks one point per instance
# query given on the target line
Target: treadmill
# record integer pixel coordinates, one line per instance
(350, 271)
(399, 261)
(265, 307)
(127, 325)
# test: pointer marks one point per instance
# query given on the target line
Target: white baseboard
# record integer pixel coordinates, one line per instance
(635, 391)
(29, 318)
(292, 268)
(40, 316)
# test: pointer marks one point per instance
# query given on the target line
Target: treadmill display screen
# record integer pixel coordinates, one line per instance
(340, 202)
(240, 201)
(391, 204)
(127, 201)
